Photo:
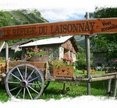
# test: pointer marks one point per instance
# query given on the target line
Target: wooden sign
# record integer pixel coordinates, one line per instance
(79, 27)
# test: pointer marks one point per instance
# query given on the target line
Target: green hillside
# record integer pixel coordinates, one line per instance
(19, 17)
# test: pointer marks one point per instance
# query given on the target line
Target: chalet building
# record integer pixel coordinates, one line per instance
(61, 48)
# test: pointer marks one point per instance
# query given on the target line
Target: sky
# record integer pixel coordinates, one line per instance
(58, 10)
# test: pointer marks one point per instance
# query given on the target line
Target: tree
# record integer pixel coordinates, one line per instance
(81, 58)
(105, 42)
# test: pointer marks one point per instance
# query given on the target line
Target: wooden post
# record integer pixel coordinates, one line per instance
(109, 86)
(1, 47)
(87, 43)
(7, 57)
(64, 87)
(115, 87)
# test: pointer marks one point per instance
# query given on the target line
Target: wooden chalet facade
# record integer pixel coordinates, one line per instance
(60, 48)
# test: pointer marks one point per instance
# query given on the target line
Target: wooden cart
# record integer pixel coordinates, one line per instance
(28, 80)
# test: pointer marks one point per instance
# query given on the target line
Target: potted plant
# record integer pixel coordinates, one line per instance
(37, 55)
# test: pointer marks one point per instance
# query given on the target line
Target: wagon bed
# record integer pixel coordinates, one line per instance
(39, 65)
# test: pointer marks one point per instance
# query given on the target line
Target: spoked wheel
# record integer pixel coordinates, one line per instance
(24, 81)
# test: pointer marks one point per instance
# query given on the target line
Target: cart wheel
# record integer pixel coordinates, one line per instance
(24, 81)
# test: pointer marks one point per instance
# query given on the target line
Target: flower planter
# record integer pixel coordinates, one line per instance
(63, 71)
(39, 59)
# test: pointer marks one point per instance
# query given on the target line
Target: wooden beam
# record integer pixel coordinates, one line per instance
(103, 78)
(1, 47)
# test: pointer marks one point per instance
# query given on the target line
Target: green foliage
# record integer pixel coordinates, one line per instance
(105, 12)
(39, 54)
(2, 60)
(57, 63)
(3, 95)
(81, 59)
(17, 55)
(105, 42)
(5, 19)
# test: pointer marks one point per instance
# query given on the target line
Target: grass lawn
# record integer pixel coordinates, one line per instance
(3, 95)
(84, 72)
(73, 89)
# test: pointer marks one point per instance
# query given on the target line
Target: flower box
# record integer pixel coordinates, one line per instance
(63, 71)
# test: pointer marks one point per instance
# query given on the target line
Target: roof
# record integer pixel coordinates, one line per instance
(48, 41)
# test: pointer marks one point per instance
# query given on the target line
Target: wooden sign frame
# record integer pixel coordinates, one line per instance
(79, 27)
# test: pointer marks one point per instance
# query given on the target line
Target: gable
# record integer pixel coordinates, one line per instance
(70, 45)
